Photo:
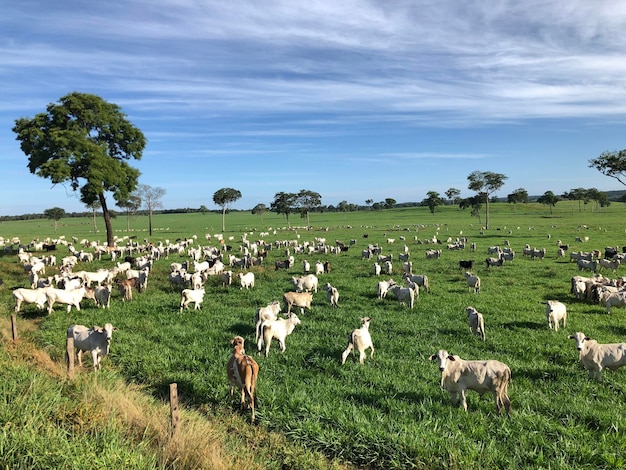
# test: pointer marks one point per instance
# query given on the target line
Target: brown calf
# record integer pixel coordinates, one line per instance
(242, 372)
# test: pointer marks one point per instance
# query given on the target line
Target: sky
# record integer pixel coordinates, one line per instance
(354, 100)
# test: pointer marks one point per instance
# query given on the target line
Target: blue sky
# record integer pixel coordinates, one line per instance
(354, 100)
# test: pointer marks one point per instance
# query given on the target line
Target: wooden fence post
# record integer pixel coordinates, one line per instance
(69, 354)
(174, 408)
(14, 327)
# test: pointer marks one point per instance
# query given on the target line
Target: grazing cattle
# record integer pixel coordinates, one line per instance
(305, 283)
(420, 279)
(227, 278)
(383, 287)
(125, 287)
(586, 264)
(277, 329)
(361, 340)
(466, 264)
(617, 299)
(404, 295)
(458, 375)
(377, 269)
(298, 299)
(332, 294)
(473, 282)
(180, 278)
(326, 267)
(246, 280)
(29, 296)
(96, 340)
(306, 267)
(556, 312)
(191, 295)
(242, 371)
(496, 262)
(71, 298)
(595, 356)
(476, 322)
(388, 268)
(269, 312)
(609, 264)
(102, 296)
(433, 254)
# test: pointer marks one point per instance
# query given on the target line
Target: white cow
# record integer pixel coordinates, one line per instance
(476, 322)
(332, 294)
(555, 312)
(191, 295)
(382, 287)
(246, 280)
(595, 356)
(277, 329)
(361, 340)
(617, 299)
(71, 298)
(96, 340)
(305, 283)
(458, 375)
(404, 295)
(473, 282)
(269, 312)
(29, 296)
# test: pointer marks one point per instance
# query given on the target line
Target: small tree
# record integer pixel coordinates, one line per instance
(519, 195)
(93, 207)
(611, 164)
(600, 197)
(549, 199)
(453, 195)
(224, 198)
(475, 202)
(284, 203)
(56, 214)
(577, 194)
(259, 209)
(203, 209)
(432, 201)
(130, 206)
(306, 201)
(369, 202)
(484, 183)
(84, 140)
(151, 200)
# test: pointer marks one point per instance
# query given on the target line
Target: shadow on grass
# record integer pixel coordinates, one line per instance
(242, 329)
(524, 325)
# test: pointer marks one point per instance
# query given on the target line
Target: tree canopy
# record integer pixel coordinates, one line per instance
(86, 142)
(611, 164)
(306, 200)
(224, 197)
(453, 195)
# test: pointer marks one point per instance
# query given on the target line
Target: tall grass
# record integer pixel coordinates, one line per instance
(390, 412)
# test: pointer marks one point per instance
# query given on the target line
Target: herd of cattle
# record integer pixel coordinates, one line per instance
(70, 286)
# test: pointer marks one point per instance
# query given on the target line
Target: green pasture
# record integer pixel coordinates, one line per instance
(389, 412)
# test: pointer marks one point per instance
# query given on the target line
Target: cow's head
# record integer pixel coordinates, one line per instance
(442, 358)
(580, 339)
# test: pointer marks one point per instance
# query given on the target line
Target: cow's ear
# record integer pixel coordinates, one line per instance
(115, 328)
(451, 357)
(432, 357)
(571, 337)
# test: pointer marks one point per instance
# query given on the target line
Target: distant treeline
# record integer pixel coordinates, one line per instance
(613, 196)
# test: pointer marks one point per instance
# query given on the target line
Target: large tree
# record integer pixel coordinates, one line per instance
(611, 164)
(284, 203)
(224, 198)
(85, 141)
(151, 200)
(56, 214)
(549, 199)
(432, 201)
(485, 183)
(306, 201)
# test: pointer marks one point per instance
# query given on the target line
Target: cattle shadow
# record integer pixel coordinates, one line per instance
(615, 329)
(242, 329)
(524, 325)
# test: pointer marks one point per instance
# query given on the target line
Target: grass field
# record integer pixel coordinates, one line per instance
(389, 412)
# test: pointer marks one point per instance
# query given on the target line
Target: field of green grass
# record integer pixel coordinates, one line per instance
(389, 412)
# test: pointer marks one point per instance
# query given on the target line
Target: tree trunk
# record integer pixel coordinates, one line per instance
(487, 212)
(223, 219)
(287, 217)
(107, 220)
(150, 221)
